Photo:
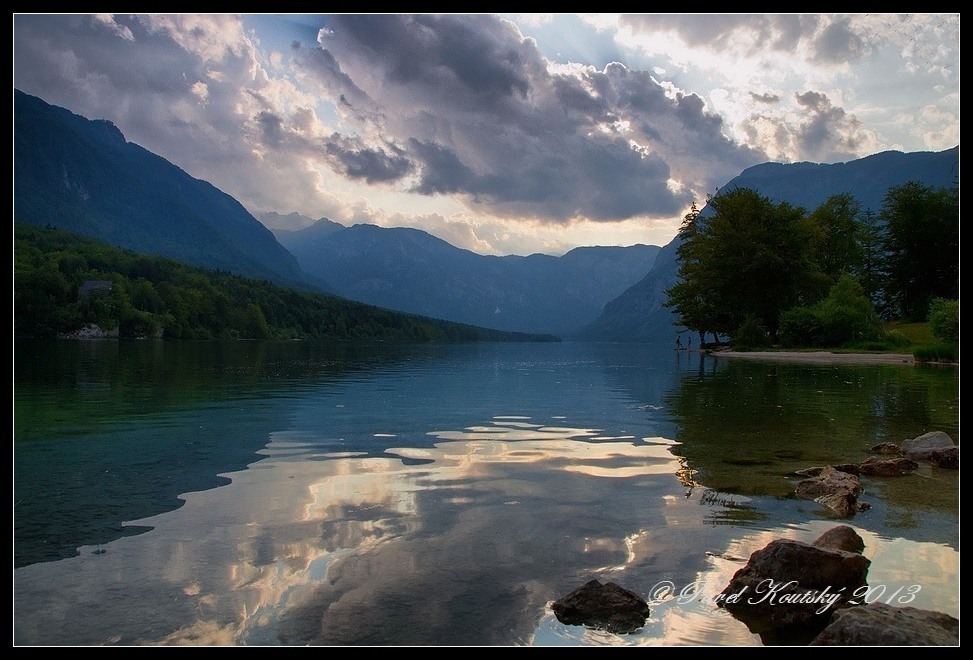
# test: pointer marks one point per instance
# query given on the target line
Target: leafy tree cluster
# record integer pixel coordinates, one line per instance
(761, 271)
(156, 296)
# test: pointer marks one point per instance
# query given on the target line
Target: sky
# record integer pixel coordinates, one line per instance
(502, 134)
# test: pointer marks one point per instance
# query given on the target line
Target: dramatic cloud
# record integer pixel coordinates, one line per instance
(828, 133)
(354, 159)
(827, 39)
(592, 129)
(483, 115)
(838, 42)
(887, 58)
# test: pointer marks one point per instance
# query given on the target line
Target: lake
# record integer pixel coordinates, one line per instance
(248, 493)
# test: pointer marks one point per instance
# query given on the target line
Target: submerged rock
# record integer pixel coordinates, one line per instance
(606, 606)
(888, 449)
(789, 584)
(923, 447)
(882, 625)
(888, 467)
(947, 457)
(850, 468)
(834, 489)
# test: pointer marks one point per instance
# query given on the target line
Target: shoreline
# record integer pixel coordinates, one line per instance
(820, 357)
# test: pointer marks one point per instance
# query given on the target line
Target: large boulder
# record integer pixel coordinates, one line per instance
(788, 584)
(923, 447)
(882, 625)
(606, 606)
(887, 467)
(834, 489)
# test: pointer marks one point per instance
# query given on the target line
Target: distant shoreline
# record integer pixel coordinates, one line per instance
(820, 357)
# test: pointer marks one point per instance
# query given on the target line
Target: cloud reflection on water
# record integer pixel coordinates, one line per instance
(464, 542)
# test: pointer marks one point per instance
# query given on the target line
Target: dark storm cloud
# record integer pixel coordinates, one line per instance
(815, 101)
(477, 109)
(356, 160)
(474, 53)
(442, 170)
(270, 128)
(765, 98)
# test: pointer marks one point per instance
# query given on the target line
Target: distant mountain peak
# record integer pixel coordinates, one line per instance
(408, 269)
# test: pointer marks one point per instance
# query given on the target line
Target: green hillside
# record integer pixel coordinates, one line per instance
(64, 282)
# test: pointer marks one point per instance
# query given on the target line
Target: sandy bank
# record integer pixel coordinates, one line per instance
(820, 357)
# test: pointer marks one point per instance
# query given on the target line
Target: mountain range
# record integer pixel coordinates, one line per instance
(82, 175)
(638, 313)
(412, 271)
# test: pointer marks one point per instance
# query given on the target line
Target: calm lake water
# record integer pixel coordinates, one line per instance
(299, 493)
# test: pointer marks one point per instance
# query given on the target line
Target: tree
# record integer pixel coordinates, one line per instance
(836, 238)
(871, 268)
(749, 259)
(922, 246)
(944, 319)
(689, 298)
(845, 316)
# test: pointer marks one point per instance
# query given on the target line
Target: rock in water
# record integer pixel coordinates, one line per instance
(841, 537)
(888, 467)
(850, 468)
(789, 584)
(888, 449)
(834, 489)
(882, 625)
(925, 445)
(948, 457)
(606, 606)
